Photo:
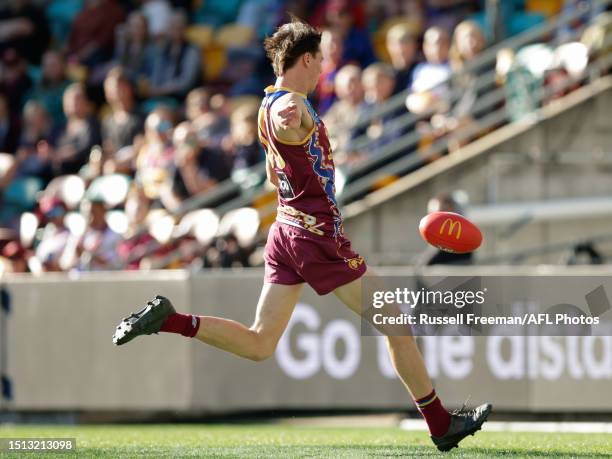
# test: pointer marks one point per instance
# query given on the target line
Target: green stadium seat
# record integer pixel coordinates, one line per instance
(61, 14)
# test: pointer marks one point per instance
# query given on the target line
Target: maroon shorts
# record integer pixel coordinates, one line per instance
(295, 255)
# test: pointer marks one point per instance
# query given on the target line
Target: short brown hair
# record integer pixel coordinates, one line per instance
(289, 42)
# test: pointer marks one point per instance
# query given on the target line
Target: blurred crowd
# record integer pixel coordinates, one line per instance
(114, 113)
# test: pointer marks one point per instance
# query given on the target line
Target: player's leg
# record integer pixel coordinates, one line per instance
(446, 429)
(405, 355)
(257, 342)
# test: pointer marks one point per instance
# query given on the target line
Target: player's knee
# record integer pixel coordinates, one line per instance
(263, 350)
(261, 354)
(397, 342)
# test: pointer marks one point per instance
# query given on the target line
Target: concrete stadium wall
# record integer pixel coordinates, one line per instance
(383, 226)
(60, 355)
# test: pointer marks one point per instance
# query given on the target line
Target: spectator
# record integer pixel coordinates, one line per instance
(138, 240)
(357, 48)
(378, 82)
(447, 13)
(55, 235)
(23, 27)
(96, 250)
(468, 42)
(197, 169)
(331, 49)
(175, 63)
(9, 127)
(155, 159)
(158, 14)
(78, 135)
(14, 80)
(402, 48)
(16, 256)
(50, 89)
(343, 114)
(124, 122)
(93, 32)
(132, 49)
(197, 104)
(244, 149)
(211, 125)
(429, 90)
(230, 253)
(37, 139)
(569, 30)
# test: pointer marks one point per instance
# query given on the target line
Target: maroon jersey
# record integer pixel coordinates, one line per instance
(306, 191)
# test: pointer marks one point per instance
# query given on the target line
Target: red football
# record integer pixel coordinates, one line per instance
(450, 232)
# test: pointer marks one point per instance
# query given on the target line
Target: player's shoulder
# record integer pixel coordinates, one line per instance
(288, 99)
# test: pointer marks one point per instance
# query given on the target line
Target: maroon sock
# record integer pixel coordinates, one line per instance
(436, 416)
(182, 324)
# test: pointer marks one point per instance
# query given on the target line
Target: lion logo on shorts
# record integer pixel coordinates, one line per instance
(355, 263)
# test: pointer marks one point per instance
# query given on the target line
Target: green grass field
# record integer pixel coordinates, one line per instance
(270, 441)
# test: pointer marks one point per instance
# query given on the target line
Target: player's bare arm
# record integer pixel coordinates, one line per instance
(290, 119)
(270, 172)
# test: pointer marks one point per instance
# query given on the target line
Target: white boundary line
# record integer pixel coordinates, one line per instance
(498, 426)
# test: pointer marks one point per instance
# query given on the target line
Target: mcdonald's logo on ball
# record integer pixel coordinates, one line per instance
(450, 232)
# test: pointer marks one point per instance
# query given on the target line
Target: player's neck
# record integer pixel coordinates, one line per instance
(291, 83)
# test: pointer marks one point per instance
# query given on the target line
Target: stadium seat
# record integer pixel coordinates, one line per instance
(573, 57)
(118, 221)
(524, 21)
(203, 224)
(28, 224)
(515, 18)
(76, 223)
(215, 12)
(235, 36)
(160, 225)
(76, 72)
(547, 7)
(537, 58)
(148, 105)
(213, 61)
(384, 181)
(113, 189)
(265, 204)
(35, 73)
(200, 35)
(61, 14)
(6, 161)
(21, 193)
(69, 188)
(243, 223)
